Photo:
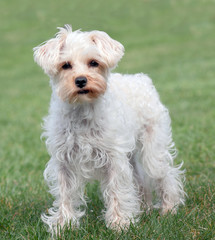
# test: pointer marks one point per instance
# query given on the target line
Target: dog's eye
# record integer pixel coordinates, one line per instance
(66, 66)
(93, 63)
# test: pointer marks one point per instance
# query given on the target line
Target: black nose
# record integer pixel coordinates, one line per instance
(81, 82)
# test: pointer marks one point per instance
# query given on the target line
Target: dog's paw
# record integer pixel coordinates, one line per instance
(118, 224)
(168, 208)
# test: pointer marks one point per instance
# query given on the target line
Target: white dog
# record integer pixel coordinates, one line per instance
(104, 126)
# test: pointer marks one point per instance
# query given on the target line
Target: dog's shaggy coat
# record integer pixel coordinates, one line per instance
(104, 126)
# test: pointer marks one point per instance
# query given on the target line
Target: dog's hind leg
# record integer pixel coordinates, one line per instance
(158, 153)
(142, 181)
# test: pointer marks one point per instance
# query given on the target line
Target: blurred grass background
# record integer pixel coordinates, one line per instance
(172, 41)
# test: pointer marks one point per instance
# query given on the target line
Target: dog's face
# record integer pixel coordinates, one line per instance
(79, 63)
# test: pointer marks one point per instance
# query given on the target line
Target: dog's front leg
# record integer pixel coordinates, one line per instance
(67, 188)
(119, 192)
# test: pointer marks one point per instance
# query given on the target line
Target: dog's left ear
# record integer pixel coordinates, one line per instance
(111, 50)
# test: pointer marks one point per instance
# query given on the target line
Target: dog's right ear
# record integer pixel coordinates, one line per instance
(46, 55)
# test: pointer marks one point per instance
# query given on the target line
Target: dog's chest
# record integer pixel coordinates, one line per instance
(88, 136)
(85, 145)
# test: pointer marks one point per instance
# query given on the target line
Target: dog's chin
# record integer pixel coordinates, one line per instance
(87, 94)
(84, 96)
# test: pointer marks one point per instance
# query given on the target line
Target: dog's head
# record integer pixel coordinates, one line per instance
(79, 62)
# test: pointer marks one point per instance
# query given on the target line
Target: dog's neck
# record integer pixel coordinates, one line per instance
(87, 112)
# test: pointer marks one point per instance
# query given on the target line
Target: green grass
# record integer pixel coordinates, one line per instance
(173, 42)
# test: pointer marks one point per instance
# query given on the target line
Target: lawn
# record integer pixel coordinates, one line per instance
(172, 41)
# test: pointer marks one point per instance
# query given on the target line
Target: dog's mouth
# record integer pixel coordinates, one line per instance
(83, 92)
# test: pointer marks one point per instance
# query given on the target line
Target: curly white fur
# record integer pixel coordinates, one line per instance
(119, 135)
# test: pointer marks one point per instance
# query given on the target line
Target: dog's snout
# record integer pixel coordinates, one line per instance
(81, 82)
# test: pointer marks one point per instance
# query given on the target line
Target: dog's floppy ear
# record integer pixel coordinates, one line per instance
(111, 50)
(47, 54)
